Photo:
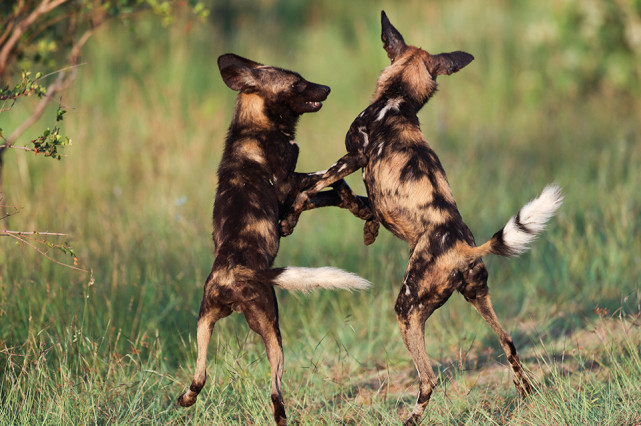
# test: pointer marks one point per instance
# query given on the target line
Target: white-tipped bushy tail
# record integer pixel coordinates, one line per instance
(523, 228)
(307, 279)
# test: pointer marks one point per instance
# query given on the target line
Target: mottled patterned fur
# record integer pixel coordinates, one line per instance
(410, 195)
(256, 184)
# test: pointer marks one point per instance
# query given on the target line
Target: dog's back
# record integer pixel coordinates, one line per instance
(260, 154)
(246, 207)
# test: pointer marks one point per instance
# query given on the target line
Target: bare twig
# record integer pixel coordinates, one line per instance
(5, 213)
(23, 238)
(67, 68)
(75, 50)
(3, 109)
(24, 148)
(7, 233)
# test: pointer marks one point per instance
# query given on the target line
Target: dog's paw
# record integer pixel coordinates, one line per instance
(288, 224)
(187, 399)
(370, 231)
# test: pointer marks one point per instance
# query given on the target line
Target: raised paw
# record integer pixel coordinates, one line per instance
(288, 224)
(370, 231)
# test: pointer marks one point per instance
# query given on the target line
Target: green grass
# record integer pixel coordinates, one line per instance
(148, 117)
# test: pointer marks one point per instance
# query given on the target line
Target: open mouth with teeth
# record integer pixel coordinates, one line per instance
(311, 100)
(307, 106)
(313, 106)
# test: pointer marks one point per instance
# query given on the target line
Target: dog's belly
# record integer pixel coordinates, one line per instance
(396, 203)
(408, 195)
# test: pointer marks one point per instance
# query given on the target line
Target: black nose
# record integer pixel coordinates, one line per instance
(327, 90)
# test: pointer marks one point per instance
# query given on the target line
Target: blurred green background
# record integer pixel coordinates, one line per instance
(553, 95)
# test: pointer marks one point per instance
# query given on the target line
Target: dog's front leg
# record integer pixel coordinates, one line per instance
(341, 195)
(303, 181)
(348, 164)
(361, 208)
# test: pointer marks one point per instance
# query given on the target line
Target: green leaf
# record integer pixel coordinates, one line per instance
(60, 113)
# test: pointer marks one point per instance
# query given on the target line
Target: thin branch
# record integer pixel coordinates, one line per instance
(69, 67)
(75, 50)
(62, 82)
(3, 109)
(35, 33)
(53, 4)
(7, 30)
(7, 233)
(18, 236)
(24, 148)
(11, 21)
(5, 213)
(45, 7)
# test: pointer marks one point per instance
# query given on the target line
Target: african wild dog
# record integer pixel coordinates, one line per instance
(410, 195)
(255, 179)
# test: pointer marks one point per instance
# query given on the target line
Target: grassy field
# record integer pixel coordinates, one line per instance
(148, 115)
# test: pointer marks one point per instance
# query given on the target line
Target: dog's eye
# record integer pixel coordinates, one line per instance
(299, 86)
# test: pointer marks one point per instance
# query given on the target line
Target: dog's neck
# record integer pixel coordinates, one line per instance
(252, 113)
(249, 112)
(398, 95)
(413, 84)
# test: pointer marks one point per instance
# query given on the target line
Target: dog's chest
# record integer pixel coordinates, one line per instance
(404, 178)
(282, 155)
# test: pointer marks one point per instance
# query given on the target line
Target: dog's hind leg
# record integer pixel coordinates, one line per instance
(412, 311)
(262, 317)
(477, 293)
(412, 330)
(211, 310)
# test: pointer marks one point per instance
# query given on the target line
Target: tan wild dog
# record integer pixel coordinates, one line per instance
(410, 196)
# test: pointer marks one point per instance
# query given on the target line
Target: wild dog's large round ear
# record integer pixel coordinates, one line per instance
(393, 42)
(238, 73)
(448, 63)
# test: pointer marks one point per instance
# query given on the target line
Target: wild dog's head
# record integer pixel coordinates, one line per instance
(284, 94)
(413, 71)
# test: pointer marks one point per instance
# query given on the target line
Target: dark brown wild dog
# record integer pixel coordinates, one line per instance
(410, 195)
(255, 179)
